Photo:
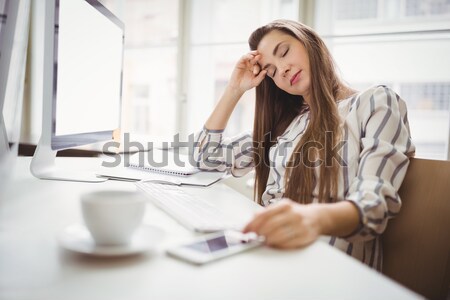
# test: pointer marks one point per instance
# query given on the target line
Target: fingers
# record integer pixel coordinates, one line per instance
(294, 243)
(273, 224)
(255, 64)
(260, 77)
(290, 239)
(264, 216)
(281, 228)
(281, 236)
(250, 57)
(251, 61)
(247, 72)
(285, 225)
(256, 69)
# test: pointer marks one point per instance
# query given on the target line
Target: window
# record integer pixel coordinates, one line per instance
(219, 34)
(350, 9)
(426, 8)
(403, 44)
(150, 65)
(217, 38)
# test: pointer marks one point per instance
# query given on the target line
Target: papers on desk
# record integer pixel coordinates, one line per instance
(171, 173)
(203, 179)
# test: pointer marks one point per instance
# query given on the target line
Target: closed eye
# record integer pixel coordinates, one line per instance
(271, 71)
(285, 52)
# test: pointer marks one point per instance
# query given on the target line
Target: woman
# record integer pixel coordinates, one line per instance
(328, 160)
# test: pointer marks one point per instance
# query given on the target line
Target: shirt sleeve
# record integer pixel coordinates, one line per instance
(212, 151)
(384, 158)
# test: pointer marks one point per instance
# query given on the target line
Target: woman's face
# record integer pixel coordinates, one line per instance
(286, 61)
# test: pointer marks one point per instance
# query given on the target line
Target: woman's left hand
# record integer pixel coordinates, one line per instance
(287, 224)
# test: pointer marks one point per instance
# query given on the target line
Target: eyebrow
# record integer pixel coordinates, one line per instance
(275, 50)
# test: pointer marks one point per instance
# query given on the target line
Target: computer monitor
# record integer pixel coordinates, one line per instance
(82, 82)
(14, 27)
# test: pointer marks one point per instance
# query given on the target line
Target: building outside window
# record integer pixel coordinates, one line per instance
(400, 43)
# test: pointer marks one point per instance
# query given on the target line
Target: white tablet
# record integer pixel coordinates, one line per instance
(215, 246)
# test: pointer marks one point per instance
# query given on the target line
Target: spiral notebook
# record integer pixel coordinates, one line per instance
(163, 162)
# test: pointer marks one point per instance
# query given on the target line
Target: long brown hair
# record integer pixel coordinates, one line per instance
(275, 109)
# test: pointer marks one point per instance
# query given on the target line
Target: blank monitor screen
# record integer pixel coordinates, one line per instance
(89, 67)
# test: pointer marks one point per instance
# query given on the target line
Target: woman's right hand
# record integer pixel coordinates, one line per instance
(247, 73)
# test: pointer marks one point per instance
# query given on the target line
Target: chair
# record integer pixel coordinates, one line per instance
(416, 244)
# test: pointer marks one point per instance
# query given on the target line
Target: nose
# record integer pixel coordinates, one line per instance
(285, 70)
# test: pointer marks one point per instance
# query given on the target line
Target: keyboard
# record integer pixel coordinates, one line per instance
(195, 213)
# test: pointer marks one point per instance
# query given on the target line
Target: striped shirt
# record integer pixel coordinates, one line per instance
(376, 150)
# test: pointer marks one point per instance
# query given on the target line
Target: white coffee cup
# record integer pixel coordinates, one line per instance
(112, 216)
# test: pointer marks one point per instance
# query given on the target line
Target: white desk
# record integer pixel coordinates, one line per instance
(33, 266)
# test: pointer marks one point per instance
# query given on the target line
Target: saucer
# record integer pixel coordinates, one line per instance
(77, 238)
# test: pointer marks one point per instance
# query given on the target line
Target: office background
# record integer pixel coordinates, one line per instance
(179, 54)
(177, 60)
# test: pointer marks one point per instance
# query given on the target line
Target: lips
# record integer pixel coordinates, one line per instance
(295, 78)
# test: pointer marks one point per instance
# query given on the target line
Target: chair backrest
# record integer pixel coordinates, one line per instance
(416, 244)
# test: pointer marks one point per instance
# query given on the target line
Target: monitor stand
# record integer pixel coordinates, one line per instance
(43, 166)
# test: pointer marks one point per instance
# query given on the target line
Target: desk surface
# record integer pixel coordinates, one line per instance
(33, 266)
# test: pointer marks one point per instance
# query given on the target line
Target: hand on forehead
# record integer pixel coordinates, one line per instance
(271, 45)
